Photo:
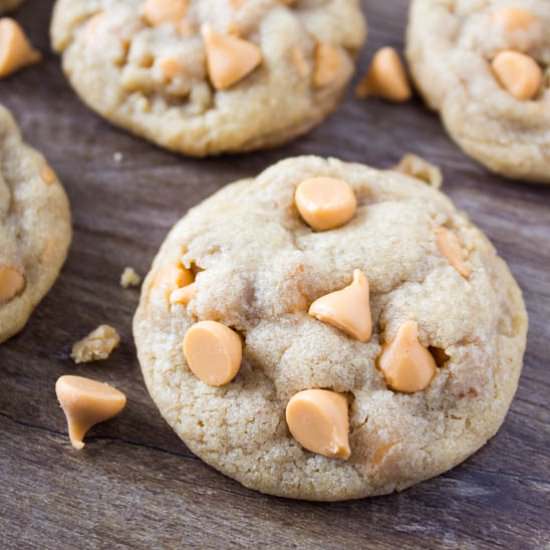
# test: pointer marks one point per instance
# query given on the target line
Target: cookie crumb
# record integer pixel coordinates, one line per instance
(98, 345)
(118, 157)
(421, 169)
(129, 278)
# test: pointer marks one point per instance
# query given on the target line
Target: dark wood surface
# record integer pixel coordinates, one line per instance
(135, 484)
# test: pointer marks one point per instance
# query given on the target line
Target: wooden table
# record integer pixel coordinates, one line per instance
(135, 484)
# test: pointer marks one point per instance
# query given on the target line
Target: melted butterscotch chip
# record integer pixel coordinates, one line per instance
(12, 283)
(347, 309)
(229, 58)
(513, 19)
(16, 51)
(405, 363)
(328, 64)
(449, 246)
(325, 203)
(157, 12)
(386, 78)
(171, 67)
(318, 420)
(85, 403)
(519, 74)
(213, 352)
(129, 278)
(171, 277)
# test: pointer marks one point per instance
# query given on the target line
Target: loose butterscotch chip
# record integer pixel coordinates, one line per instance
(85, 403)
(318, 420)
(405, 363)
(157, 12)
(518, 74)
(347, 309)
(213, 352)
(328, 64)
(449, 246)
(229, 58)
(12, 283)
(98, 345)
(386, 78)
(16, 51)
(513, 19)
(325, 203)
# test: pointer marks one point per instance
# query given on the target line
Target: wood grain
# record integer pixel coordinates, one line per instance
(136, 485)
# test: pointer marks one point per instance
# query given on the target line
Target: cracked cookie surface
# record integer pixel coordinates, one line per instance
(35, 227)
(257, 269)
(451, 48)
(153, 79)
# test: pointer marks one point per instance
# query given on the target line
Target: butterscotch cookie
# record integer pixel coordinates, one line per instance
(328, 331)
(201, 76)
(9, 5)
(35, 227)
(485, 66)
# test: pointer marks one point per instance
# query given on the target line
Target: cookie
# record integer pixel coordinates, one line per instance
(329, 331)
(485, 66)
(9, 5)
(204, 77)
(35, 227)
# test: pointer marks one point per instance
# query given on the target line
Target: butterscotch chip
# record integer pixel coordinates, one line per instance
(12, 282)
(157, 12)
(476, 63)
(229, 58)
(318, 420)
(518, 73)
(213, 352)
(35, 227)
(405, 363)
(129, 278)
(325, 203)
(347, 309)
(86, 403)
(328, 64)
(183, 295)
(449, 246)
(218, 77)
(386, 78)
(16, 51)
(513, 18)
(98, 345)
(47, 174)
(421, 169)
(171, 277)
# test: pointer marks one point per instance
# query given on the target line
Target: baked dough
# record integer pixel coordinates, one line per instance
(259, 267)
(9, 5)
(35, 227)
(121, 66)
